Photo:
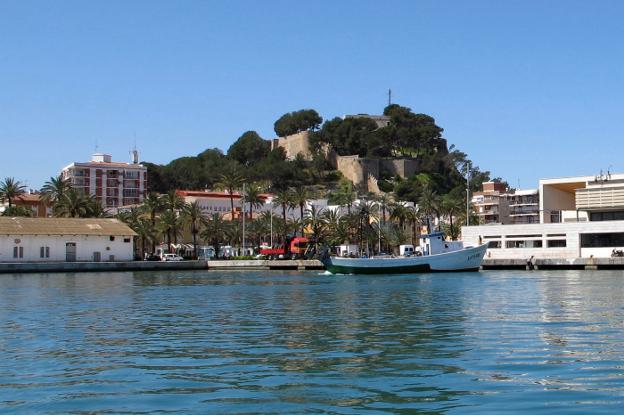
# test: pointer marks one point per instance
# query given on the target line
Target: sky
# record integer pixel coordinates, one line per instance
(528, 89)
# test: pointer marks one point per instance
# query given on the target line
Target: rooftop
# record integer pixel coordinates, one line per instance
(63, 226)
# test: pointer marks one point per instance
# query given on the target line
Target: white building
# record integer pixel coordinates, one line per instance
(579, 217)
(64, 239)
(112, 183)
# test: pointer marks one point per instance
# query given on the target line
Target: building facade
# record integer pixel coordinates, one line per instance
(113, 184)
(64, 240)
(33, 202)
(579, 216)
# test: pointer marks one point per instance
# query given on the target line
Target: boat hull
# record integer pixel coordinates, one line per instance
(468, 259)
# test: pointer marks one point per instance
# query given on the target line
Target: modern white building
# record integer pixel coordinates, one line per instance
(64, 239)
(112, 183)
(580, 217)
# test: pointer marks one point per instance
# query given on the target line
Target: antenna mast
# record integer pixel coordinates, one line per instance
(389, 96)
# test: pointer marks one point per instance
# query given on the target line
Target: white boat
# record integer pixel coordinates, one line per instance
(437, 255)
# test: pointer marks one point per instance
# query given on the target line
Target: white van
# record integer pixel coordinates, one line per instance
(406, 250)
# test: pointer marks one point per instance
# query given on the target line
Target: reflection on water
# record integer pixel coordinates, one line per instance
(267, 342)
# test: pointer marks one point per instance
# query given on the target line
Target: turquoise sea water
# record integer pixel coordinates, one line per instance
(273, 342)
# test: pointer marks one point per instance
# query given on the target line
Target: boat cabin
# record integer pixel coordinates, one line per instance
(435, 243)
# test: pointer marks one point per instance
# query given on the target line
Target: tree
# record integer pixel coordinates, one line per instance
(168, 225)
(214, 231)
(252, 196)
(315, 221)
(230, 180)
(451, 204)
(349, 136)
(74, 204)
(284, 199)
(249, 149)
(429, 204)
(15, 211)
(145, 232)
(192, 214)
(10, 189)
(337, 231)
(297, 121)
(55, 188)
(300, 198)
(153, 204)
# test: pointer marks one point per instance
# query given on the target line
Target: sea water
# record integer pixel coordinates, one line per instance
(305, 342)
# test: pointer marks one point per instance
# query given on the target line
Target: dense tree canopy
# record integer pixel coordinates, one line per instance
(249, 149)
(297, 121)
(408, 135)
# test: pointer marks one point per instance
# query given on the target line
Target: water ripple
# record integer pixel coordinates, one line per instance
(253, 342)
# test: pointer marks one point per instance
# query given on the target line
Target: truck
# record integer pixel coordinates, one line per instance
(297, 248)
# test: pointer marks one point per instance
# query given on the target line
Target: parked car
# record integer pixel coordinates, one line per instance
(171, 257)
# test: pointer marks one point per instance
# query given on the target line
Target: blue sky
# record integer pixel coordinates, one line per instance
(529, 89)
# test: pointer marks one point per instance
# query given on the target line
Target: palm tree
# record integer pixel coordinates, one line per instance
(145, 231)
(55, 188)
(399, 212)
(10, 189)
(284, 199)
(300, 198)
(336, 232)
(168, 225)
(95, 209)
(428, 204)
(450, 206)
(315, 221)
(214, 231)
(192, 214)
(153, 204)
(74, 204)
(230, 180)
(252, 196)
(172, 201)
(346, 194)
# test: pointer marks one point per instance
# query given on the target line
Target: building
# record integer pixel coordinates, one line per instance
(578, 217)
(490, 204)
(523, 206)
(33, 202)
(380, 120)
(64, 239)
(583, 198)
(495, 203)
(113, 184)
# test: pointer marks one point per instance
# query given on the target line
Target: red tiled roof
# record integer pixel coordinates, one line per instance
(213, 194)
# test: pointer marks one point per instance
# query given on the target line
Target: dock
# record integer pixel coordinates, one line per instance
(552, 264)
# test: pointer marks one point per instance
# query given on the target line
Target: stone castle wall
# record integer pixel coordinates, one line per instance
(360, 170)
(294, 144)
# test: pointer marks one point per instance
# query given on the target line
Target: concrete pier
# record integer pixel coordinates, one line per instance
(18, 267)
(545, 264)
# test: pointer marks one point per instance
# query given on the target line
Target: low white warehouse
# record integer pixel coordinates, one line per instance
(64, 239)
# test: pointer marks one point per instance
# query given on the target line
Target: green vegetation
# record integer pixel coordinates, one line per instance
(297, 121)
(381, 221)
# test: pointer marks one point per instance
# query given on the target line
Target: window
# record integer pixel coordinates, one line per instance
(44, 252)
(47, 252)
(523, 244)
(555, 216)
(15, 252)
(495, 244)
(18, 252)
(602, 240)
(112, 238)
(602, 216)
(127, 240)
(556, 243)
